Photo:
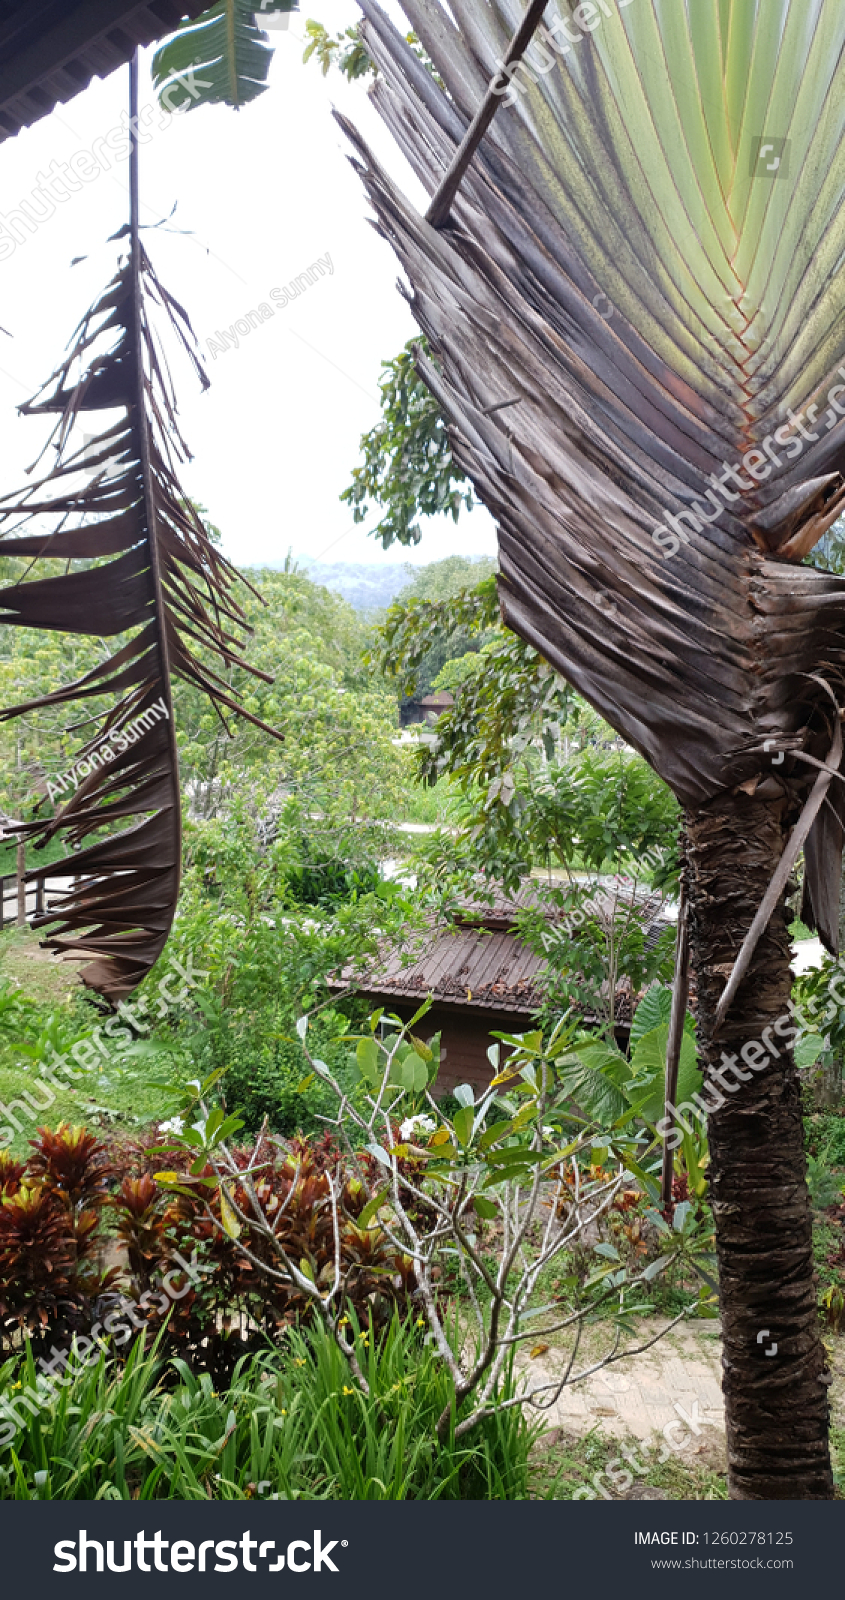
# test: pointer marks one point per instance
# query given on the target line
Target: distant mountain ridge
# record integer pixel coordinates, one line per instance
(367, 585)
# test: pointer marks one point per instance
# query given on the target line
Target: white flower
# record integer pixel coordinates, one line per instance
(549, 1133)
(417, 1125)
(175, 1125)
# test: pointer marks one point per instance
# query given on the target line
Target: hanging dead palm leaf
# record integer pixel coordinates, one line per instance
(138, 561)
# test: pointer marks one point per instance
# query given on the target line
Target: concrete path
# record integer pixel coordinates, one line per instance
(638, 1396)
(807, 953)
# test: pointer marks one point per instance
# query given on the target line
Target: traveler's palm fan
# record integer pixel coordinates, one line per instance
(138, 562)
(636, 304)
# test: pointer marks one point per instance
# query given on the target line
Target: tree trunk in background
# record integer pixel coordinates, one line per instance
(776, 1406)
(21, 876)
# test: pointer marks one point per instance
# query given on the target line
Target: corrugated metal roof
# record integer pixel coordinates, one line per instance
(492, 908)
(484, 967)
(499, 910)
(466, 966)
(50, 49)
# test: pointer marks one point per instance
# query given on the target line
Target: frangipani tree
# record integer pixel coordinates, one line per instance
(630, 276)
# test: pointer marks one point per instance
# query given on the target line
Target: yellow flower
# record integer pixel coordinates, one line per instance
(343, 1322)
(420, 1322)
(347, 1390)
(299, 1361)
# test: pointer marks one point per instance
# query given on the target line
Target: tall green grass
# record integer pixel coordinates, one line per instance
(292, 1423)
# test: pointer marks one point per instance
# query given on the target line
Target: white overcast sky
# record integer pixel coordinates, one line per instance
(264, 191)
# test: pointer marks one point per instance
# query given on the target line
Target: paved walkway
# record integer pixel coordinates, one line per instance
(638, 1396)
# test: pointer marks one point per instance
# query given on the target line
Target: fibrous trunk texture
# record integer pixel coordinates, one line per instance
(774, 1378)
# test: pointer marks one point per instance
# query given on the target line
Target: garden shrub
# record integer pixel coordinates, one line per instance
(50, 1217)
(264, 1069)
(56, 1208)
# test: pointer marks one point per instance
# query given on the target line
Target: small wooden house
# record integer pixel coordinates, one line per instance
(482, 979)
(412, 713)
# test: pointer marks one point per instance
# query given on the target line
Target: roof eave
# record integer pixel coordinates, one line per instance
(49, 52)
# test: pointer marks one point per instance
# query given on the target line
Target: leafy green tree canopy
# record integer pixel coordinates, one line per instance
(407, 468)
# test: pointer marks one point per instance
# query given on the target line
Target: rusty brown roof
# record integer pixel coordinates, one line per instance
(478, 961)
(471, 969)
(50, 49)
(493, 909)
(465, 966)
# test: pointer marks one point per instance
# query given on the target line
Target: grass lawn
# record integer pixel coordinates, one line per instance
(54, 851)
(117, 1094)
(565, 1462)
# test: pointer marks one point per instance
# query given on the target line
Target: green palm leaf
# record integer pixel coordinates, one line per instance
(647, 1088)
(654, 1008)
(223, 57)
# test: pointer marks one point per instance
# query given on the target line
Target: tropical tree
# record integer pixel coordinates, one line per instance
(336, 723)
(436, 585)
(631, 278)
(408, 468)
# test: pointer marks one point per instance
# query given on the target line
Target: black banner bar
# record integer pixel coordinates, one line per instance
(416, 1550)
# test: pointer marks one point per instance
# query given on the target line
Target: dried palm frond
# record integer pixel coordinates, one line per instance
(138, 561)
(626, 259)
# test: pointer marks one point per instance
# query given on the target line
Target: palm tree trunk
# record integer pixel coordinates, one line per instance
(776, 1404)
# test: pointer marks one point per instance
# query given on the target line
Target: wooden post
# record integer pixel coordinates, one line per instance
(21, 876)
(680, 991)
(441, 202)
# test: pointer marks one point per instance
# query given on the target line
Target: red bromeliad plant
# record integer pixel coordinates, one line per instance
(74, 1165)
(140, 1226)
(11, 1174)
(296, 1202)
(37, 1261)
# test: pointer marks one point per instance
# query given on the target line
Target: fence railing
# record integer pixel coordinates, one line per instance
(36, 896)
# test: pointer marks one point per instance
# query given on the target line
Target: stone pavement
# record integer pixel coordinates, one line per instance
(638, 1396)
